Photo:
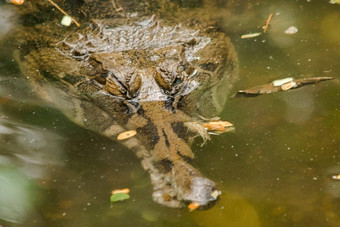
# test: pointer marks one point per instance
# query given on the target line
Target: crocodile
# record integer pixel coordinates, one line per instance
(138, 71)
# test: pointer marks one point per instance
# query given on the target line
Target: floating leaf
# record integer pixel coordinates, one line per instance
(126, 135)
(280, 85)
(119, 197)
(258, 90)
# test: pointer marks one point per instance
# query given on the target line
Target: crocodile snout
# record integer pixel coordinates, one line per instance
(203, 191)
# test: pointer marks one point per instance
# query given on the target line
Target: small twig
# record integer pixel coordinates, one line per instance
(60, 9)
(267, 23)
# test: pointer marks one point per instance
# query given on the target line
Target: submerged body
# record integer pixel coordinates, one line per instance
(114, 75)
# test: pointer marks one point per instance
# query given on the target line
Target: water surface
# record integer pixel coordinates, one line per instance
(275, 170)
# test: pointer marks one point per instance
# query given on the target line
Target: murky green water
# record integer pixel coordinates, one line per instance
(275, 170)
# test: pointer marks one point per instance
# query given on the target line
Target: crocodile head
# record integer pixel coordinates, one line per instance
(164, 85)
(156, 90)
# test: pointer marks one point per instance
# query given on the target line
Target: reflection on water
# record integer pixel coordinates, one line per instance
(277, 169)
(7, 20)
(299, 109)
(27, 154)
(30, 149)
(16, 195)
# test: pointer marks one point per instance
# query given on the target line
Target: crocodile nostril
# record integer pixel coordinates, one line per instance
(203, 191)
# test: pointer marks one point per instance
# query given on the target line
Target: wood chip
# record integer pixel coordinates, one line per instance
(66, 21)
(336, 177)
(251, 35)
(126, 135)
(193, 206)
(17, 2)
(217, 125)
(124, 190)
(215, 194)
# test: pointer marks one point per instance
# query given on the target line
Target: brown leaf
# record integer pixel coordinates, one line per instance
(271, 88)
(312, 80)
(258, 90)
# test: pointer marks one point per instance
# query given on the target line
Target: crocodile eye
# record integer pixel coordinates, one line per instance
(134, 85)
(177, 81)
(169, 76)
(114, 86)
(162, 79)
(121, 83)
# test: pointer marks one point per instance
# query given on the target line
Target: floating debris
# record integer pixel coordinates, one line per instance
(280, 85)
(289, 85)
(66, 21)
(125, 190)
(17, 2)
(218, 126)
(215, 194)
(126, 135)
(265, 27)
(120, 195)
(250, 35)
(61, 10)
(334, 1)
(291, 30)
(336, 177)
(193, 206)
(280, 82)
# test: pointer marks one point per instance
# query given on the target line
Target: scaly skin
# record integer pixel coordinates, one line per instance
(117, 74)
